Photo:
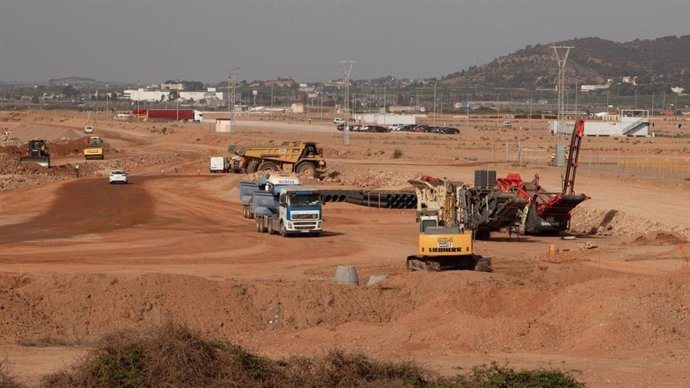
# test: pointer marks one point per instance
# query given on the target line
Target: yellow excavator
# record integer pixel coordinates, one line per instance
(445, 236)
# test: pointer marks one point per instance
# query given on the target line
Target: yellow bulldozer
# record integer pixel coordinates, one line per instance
(37, 153)
(445, 236)
(303, 158)
(94, 148)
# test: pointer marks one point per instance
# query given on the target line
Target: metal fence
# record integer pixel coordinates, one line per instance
(676, 167)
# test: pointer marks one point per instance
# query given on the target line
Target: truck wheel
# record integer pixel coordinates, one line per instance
(306, 169)
(258, 225)
(251, 167)
(268, 167)
(264, 225)
(270, 227)
(283, 231)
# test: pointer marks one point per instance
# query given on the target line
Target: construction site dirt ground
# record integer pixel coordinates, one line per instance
(80, 258)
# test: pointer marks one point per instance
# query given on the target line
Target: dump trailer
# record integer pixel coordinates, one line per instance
(549, 212)
(445, 236)
(280, 204)
(303, 158)
(94, 148)
(37, 153)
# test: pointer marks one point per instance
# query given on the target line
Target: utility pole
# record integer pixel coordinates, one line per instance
(347, 69)
(561, 59)
(233, 80)
(385, 100)
(107, 100)
(271, 101)
(434, 104)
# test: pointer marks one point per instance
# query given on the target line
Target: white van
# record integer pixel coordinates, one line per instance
(88, 129)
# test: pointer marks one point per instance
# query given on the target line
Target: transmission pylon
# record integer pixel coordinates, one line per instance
(347, 69)
(561, 53)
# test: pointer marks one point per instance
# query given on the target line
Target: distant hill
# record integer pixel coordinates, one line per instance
(661, 62)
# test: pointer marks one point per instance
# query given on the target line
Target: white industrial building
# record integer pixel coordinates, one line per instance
(164, 95)
(146, 95)
(631, 122)
(209, 94)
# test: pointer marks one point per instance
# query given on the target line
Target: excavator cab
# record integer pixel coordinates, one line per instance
(37, 153)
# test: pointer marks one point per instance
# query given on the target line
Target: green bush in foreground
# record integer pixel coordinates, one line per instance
(172, 356)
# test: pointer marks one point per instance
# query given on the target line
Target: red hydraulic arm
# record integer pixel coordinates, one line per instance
(573, 157)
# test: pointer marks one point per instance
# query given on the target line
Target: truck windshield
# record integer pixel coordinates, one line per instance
(95, 143)
(304, 200)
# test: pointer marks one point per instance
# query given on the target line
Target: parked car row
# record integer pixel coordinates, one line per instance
(363, 128)
(400, 128)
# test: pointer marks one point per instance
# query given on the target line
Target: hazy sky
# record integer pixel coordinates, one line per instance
(155, 40)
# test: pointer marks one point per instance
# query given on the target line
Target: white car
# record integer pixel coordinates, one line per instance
(118, 176)
(88, 129)
(338, 121)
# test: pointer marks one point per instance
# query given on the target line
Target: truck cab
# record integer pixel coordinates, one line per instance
(282, 205)
(300, 211)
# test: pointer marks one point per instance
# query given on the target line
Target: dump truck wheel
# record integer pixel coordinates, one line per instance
(258, 225)
(270, 228)
(268, 167)
(283, 231)
(306, 169)
(251, 167)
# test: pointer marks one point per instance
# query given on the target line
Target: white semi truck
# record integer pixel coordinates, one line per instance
(280, 204)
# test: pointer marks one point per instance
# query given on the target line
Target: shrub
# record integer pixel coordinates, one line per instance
(494, 375)
(173, 356)
(397, 153)
(7, 380)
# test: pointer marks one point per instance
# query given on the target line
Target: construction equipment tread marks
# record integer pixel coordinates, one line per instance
(306, 169)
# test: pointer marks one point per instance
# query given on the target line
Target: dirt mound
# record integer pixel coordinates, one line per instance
(473, 312)
(660, 238)
(366, 178)
(613, 222)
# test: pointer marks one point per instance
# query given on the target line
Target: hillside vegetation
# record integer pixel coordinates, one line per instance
(663, 61)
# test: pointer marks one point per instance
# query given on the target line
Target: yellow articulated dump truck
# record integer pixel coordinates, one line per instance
(94, 148)
(303, 158)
